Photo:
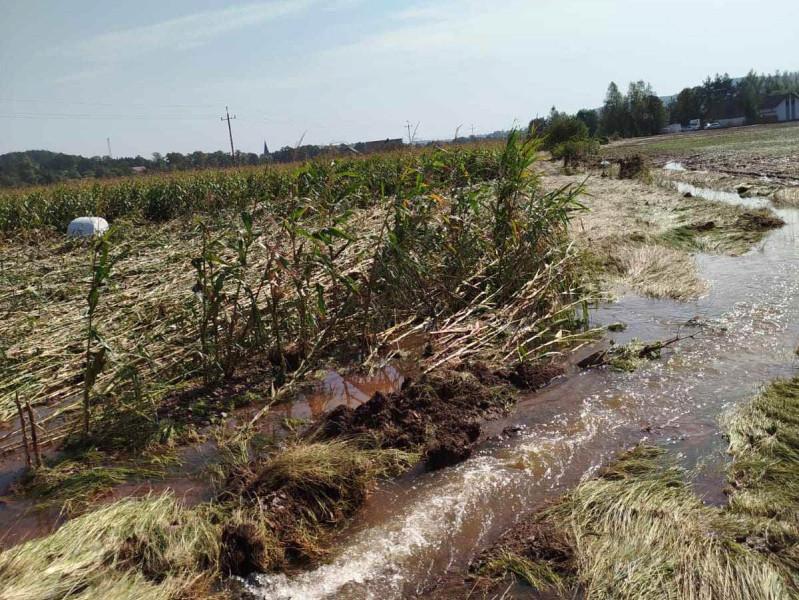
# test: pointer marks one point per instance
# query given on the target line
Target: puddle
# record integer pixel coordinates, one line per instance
(21, 519)
(674, 166)
(336, 390)
(719, 196)
(413, 532)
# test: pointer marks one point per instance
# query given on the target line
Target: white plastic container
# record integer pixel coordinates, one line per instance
(87, 227)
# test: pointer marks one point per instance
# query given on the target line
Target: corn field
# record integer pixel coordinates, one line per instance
(286, 269)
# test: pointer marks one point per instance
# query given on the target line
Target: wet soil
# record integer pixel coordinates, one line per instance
(440, 413)
(234, 403)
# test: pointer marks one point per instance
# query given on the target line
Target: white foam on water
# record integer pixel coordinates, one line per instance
(378, 553)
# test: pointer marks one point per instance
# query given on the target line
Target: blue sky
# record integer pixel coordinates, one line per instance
(156, 75)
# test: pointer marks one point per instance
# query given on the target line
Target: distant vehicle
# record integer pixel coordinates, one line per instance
(694, 125)
(713, 125)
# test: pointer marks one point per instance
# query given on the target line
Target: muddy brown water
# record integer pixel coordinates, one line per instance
(422, 528)
(22, 519)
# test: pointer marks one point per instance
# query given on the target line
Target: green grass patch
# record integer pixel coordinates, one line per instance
(73, 482)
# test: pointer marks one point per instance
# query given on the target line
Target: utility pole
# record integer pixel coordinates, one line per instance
(108, 141)
(412, 136)
(227, 118)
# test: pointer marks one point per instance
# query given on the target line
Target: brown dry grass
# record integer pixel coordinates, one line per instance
(643, 235)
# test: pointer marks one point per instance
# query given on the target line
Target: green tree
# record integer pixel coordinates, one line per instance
(591, 120)
(613, 112)
(561, 128)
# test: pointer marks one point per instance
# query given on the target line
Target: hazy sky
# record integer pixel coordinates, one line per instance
(155, 75)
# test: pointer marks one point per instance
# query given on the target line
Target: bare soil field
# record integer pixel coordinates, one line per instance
(758, 150)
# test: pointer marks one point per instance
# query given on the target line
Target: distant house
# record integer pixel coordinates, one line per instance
(778, 108)
(138, 170)
(380, 145)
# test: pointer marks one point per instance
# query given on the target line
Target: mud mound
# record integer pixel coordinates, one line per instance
(530, 542)
(631, 167)
(759, 220)
(243, 549)
(527, 376)
(438, 414)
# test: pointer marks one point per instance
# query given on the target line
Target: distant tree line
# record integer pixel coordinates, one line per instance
(723, 97)
(640, 112)
(41, 167)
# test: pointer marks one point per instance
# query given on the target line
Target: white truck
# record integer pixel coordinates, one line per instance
(694, 125)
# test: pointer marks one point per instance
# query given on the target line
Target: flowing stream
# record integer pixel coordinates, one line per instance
(414, 531)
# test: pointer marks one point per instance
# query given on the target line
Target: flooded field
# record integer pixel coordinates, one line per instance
(22, 518)
(423, 529)
(462, 453)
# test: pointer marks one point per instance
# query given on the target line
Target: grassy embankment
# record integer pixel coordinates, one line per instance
(637, 530)
(327, 265)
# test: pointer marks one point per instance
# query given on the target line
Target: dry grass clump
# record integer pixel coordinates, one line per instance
(132, 549)
(294, 497)
(659, 272)
(537, 574)
(787, 196)
(638, 531)
(274, 511)
(764, 444)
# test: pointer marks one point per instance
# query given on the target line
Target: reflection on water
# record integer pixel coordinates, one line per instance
(336, 390)
(413, 531)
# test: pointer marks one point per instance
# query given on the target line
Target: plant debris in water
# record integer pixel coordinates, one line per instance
(638, 530)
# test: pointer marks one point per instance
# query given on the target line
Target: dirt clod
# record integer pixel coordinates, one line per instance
(757, 220)
(632, 166)
(243, 549)
(438, 414)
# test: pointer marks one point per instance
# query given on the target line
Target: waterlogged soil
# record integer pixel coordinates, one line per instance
(439, 414)
(23, 518)
(416, 536)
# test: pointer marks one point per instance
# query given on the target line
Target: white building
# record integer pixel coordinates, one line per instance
(780, 107)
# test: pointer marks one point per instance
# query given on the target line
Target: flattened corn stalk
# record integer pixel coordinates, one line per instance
(337, 264)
